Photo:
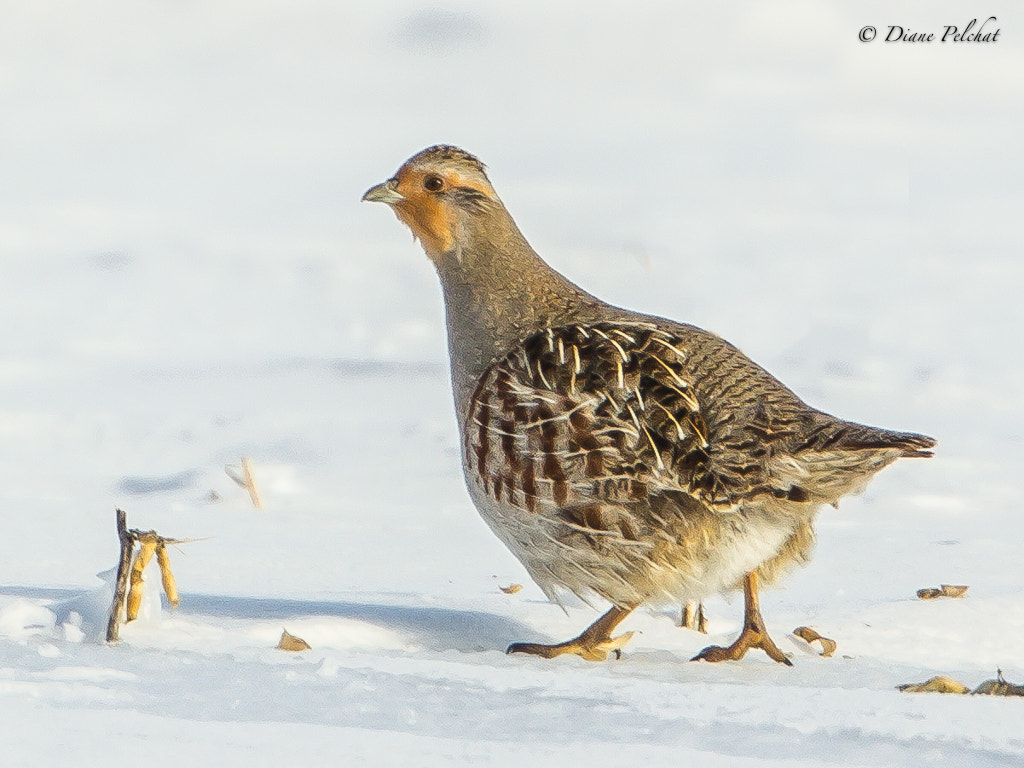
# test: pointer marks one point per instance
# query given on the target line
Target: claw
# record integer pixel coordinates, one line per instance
(612, 646)
(748, 639)
(754, 634)
(595, 644)
(593, 651)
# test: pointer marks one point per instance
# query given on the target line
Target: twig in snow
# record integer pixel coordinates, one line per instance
(246, 479)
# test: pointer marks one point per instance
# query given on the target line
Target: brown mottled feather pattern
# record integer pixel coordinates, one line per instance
(630, 435)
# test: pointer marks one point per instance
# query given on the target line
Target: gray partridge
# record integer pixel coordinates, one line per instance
(614, 453)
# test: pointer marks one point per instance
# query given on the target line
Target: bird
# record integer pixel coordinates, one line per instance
(619, 456)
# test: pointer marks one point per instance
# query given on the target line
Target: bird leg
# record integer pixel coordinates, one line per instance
(754, 634)
(693, 617)
(595, 644)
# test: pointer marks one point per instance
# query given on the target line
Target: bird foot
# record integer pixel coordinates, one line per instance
(749, 638)
(591, 649)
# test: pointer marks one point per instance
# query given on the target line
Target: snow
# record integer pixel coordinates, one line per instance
(189, 278)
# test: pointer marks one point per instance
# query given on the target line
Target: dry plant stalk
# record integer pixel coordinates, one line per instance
(129, 585)
(290, 642)
(166, 577)
(147, 547)
(808, 635)
(247, 480)
(127, 541)
(944, 590)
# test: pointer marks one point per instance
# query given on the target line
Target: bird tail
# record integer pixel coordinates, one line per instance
(857, 437)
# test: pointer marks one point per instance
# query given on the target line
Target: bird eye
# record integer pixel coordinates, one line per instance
(433, 183)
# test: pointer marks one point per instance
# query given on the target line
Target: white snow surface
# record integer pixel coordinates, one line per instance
(188, 277)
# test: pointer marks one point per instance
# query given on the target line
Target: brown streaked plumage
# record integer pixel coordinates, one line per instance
(618, 454)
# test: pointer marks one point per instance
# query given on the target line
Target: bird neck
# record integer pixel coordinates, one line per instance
(496, 293)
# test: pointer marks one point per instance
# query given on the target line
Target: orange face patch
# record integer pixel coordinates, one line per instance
(431, 221)
(427, 213)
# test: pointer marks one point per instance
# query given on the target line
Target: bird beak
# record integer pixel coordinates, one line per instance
(384, 193)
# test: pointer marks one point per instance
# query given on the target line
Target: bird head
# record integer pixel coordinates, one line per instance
(443, 195)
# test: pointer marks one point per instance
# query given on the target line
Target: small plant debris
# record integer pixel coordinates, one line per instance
(937, 684)
(940, 684)
(998, 687)
(290, 642)
(808, 635)
(944, 590)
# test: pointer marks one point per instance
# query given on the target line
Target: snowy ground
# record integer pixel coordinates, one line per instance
(188, 278)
